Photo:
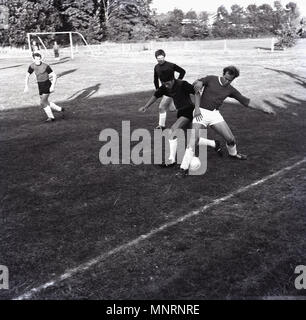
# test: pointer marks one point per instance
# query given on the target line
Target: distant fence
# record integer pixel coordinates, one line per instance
(266, 44)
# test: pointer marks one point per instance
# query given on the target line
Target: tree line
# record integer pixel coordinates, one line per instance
(135, 20)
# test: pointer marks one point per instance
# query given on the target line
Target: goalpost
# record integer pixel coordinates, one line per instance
(71, 44)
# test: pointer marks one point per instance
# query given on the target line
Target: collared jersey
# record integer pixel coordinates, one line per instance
(180, 93)
(215, 93)
(42, 71)
(166, 71)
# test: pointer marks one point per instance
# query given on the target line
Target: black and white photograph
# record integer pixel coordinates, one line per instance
(153, 151)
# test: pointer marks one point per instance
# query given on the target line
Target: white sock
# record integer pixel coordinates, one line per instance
(162, 119)
(55, 107)
(207, 142)
(187, 158)
(49, 112)
(173, 148)
(232, 150)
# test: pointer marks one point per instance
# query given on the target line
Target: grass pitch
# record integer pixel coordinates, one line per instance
(60, 207)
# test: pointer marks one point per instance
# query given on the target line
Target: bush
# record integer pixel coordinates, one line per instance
(287, 37)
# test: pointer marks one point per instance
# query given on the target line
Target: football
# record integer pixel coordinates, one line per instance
(195, 164)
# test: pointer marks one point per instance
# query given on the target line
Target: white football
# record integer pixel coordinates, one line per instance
(195, 164)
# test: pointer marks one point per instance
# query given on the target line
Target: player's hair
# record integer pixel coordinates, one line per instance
(160, 52)
(36, 54)
(232, 70)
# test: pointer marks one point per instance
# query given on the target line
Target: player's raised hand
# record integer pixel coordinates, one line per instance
(198, 115)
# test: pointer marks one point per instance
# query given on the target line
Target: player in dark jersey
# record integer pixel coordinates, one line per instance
(162, 71)
(207, 105)
(179, 91)
(43, 73)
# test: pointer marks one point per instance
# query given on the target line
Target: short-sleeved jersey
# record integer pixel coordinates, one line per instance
(180, 93)
(166, 71)
(42, 71)
(215, 93)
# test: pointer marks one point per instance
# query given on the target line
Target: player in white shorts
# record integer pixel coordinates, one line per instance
(206, 114)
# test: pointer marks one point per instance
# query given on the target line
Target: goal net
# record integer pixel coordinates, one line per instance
(58, 44)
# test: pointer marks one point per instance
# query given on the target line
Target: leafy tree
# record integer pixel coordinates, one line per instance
(252, 19)
(203, 16)
(170, 24)
(130, 20)
(237, 15)
(31, 16)
(220, 27)
(265, 25)
(191, 14)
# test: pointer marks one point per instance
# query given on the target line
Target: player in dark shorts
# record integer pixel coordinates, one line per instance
(43, 73)
(179, 91)
(206, 114)
(162, 71)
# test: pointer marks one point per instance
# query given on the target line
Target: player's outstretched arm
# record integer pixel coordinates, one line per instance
(251, 103)
(26, 82)
(148, 104)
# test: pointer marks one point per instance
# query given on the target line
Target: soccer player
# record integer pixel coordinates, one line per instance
(43, 72)
(165, 69)
(179, 91)
(207, 105)
(35, 47)
(56, 51)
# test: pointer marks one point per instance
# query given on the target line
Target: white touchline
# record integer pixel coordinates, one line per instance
(85, 266)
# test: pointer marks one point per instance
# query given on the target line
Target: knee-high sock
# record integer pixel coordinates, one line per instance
(49, 112)
(162, 119)
(207, 142)
(173, 149)
(55, 107)
(189, 153)
(232, 150)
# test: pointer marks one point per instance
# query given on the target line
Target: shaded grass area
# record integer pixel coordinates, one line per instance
(60, 207)
(246, 248)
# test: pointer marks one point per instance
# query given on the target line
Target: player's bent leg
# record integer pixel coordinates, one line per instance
(189, 153)
(213, 144)
(180, 123)
(55, 107)
(223, 129)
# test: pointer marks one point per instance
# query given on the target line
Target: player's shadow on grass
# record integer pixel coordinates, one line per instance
(62, 74)
(63, 60)
(288, 104)
(300, 80)
(10, 67)
(85, 93)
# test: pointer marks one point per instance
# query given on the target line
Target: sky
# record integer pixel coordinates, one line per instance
(212, 5)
